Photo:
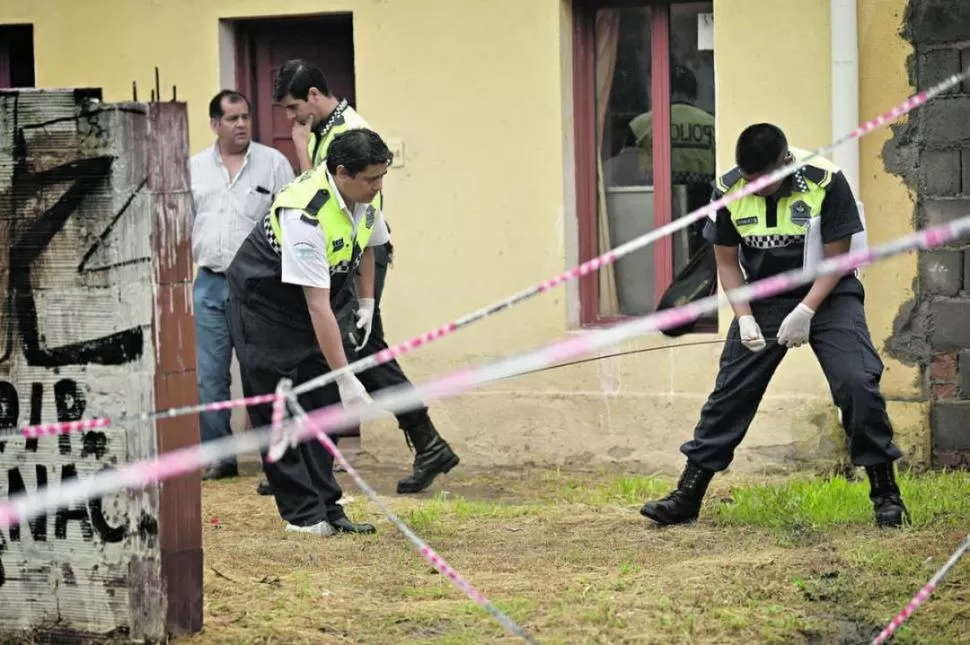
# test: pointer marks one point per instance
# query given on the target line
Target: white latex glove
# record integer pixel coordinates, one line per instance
(351, 390)
(794, 329)
(751, 336)
(365, 320)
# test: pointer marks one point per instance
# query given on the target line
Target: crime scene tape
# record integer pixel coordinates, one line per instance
(922, 595)
(402, 398)
(283, 388)
(424, 550)
(319, 423)
(633, 245)
(28, 505)
(580, 270)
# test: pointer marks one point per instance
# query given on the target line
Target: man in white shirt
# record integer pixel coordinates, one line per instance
(233, 185)
(295, 286)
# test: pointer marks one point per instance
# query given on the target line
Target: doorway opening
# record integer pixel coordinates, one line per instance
(17, 56)
(263, 45)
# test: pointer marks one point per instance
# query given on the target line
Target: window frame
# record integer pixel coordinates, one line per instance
(584, 133)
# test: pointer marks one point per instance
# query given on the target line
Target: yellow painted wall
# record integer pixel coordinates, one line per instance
(483, 206)
(889, 210)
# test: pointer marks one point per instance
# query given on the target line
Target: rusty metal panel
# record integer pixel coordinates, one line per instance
(175, 377)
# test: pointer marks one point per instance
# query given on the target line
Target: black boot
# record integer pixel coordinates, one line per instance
(343, 525)
(223, 470)
(433, 457)
(683, 505)
(887, 503)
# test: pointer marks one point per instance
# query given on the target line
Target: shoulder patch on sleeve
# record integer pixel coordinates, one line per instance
(726, 181)
(817, 175)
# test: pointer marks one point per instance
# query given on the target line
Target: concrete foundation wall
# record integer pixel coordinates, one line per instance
(81, 255)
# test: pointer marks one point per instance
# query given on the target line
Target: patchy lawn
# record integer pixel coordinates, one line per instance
(568, 556)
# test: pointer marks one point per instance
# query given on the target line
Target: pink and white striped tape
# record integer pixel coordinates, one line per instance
(922, 594)
(26, 506)
(336, 417)
(644, 240)
(546, 285)
(423, 548)
(277, 442)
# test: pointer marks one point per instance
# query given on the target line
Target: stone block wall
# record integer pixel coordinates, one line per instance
(932, 153)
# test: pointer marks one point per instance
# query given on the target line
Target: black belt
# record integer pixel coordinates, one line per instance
(218, 274)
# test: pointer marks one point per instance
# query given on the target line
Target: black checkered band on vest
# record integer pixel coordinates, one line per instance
(271, 236)
(772, 241)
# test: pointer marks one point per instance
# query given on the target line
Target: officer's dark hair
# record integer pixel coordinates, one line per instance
(296, 77)
(759, 147)
(355, 150)
(215, 105)
(683, 81)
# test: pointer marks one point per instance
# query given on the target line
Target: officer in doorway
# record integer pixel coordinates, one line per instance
(318, 117)
(293, 306)
(765, 234)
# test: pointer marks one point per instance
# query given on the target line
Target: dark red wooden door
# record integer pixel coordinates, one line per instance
(4, 64)
(325, 41)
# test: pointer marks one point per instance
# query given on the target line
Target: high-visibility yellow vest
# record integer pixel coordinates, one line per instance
(314, 194)
(692, 149)
(343, 118)
(256, 274)
(795, 211)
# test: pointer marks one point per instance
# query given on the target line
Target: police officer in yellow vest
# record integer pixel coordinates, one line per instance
(692, 151)
(318, 117)
(294, 286)
(764, 234)
(692, 146)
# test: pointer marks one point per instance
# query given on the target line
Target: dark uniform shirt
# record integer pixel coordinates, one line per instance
(839, 220)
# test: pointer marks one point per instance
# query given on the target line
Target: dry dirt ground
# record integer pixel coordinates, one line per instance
(567, 556)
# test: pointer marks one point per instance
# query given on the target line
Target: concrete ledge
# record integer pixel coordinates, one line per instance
(639, 432)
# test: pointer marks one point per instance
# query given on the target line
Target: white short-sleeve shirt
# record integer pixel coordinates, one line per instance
(304, 247)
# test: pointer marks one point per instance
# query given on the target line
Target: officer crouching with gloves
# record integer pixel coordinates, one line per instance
(293, 301)
(765, 234)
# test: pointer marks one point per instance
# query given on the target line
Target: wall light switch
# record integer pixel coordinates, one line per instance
(397, 149)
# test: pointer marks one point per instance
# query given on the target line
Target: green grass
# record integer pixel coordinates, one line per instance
(444, 510)
(811, 503)
(568, 557)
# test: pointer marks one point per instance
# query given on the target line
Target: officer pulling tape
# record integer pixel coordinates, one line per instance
(294, 286)
(764, 234)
